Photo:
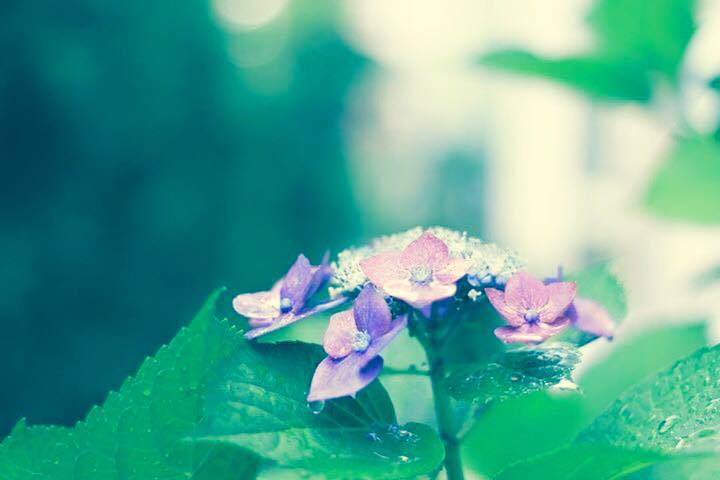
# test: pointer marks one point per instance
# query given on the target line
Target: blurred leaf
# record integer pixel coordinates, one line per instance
(604, 79)
(708, 277)
(687, 185)
(715, 83)
(137, 433)
(549, 422)
(258, 402)
(599, 283)
(514, 373)
(651, 36)
(596, 282)
(582, 462)
(634, 41)
(678, 409)
(685, 469)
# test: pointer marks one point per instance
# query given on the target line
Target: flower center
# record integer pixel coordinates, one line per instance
(286, 304)
(421, 274)
(532, 316)
(360, 341)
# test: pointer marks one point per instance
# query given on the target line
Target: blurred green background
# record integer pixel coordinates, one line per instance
(153, 151)
(141, 169)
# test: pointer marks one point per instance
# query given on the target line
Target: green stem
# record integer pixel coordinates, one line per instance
(443, 408)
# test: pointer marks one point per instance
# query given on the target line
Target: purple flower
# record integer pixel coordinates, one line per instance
(533, 310)
(421, 274)
(353, 341)
(587, 315)
(286, 302)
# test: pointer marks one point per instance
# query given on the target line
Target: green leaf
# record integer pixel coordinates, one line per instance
(675, 414)
(514, 373)
(600, 78)
(634, 44)
(653, 37)
(137, 433)
(550, 422)
(258, 402)
(715, 83)
(687, 186)
(598, 283)
(679, 409)
(582, 462)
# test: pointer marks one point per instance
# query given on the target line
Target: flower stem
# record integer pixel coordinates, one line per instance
(443, 408)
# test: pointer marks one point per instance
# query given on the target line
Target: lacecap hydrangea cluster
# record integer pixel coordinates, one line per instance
(412, 274)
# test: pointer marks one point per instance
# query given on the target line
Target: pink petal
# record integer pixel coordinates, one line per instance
(371, 312)
(591, 317)
(525, 292)
(454, 270)
(290, 318)
(426, 250)
(420, 296)
(260, 305)
(383, 268)
(339, 334)
(497, 299)
(560, 296)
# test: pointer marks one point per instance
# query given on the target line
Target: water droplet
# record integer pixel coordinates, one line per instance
(667, 424)
(316, 407)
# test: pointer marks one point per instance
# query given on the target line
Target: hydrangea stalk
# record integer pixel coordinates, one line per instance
(415, 279)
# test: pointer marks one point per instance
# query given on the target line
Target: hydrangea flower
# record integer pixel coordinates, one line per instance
(534, 311)
(489, 264)
(286, 302)
(421, 274)
(353, 340)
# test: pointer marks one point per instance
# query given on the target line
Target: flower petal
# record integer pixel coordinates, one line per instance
(497, 299)
(420, 296)
(560, 296)
(341, 378)
(260, 305)
(383, 268)
(371, 312)
(320, 275)
(289, 318)
(591, 317)
(454, 270)
(346, 376)
(339, 334)
(426, 250)
(525, 292)
(297, 283)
